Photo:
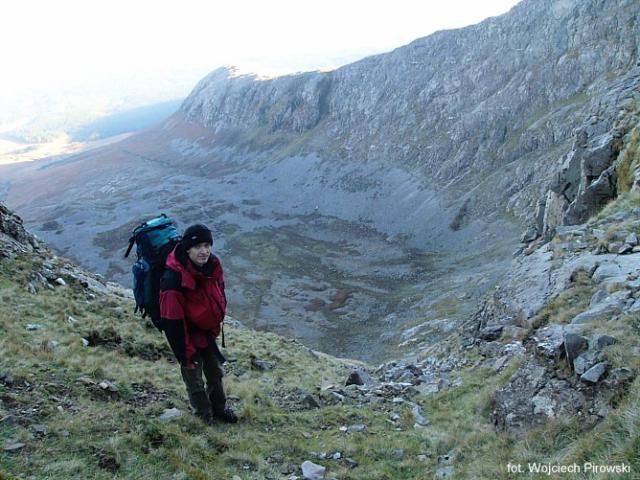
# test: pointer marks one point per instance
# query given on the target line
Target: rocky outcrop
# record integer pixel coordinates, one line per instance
(13, 236)
(566, 368)
(587, 179)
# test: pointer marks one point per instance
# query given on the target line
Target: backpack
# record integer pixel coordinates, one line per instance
(154, 240)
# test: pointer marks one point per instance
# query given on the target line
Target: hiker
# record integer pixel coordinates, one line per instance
(192, 308)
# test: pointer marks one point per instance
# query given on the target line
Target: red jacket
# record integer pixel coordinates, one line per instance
(192, 303)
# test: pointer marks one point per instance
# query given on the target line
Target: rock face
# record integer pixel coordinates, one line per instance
(462, 102)
(13, 236)
(532, 398)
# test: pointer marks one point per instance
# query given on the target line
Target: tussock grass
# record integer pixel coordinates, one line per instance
(629, 162)
(90, 434)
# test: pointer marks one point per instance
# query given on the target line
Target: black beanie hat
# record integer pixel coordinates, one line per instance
(196, 234)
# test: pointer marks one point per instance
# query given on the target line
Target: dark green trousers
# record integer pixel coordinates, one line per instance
(209, 400)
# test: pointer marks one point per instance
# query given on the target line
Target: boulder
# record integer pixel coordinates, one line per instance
(624, 249)
(490, 333)
(605, 341)
(310, 402)
(418, 416)
(611, 305)
(529, 235)
(632, 239)
(574, 345)
(359, 428)
(595, 373)
(585, 361)
(169, 414)
(359, 377)
(490, 349)
(13, 447)
(445, 472)
(260, 365)
(312, 471)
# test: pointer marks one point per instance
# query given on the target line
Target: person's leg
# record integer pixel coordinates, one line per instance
(195, 388)
(214, 373)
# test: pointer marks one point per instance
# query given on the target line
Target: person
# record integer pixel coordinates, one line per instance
(192, 309)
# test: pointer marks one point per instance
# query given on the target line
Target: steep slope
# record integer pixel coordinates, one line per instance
(370, 199)
(88, 390)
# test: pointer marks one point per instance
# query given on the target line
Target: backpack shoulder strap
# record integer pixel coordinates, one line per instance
(132, 240)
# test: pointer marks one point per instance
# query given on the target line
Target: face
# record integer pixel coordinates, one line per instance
(199, 254)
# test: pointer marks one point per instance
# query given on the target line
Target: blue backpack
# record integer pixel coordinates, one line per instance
(154, 240)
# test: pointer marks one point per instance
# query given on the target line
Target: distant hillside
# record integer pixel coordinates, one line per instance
(127, 121)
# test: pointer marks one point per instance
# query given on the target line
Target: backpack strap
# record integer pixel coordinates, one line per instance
(132, 240)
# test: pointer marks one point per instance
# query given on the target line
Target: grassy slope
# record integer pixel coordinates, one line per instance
(93, 434)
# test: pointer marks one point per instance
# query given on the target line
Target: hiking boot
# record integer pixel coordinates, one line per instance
(227, 415)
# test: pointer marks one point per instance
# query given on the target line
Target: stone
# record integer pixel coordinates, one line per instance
(358, 428)
(598, 297)
(549, 341)
(109, 386)
(398, 453)
(490, 333)
(607, 307)
(312, 471)
(585, 361)
(446, 459)
(169, 414)
(32, 327)
(574, 345)
(85, 342)
(595, 373)
(13, 447)
(39, 430)
(490, 349)
(71, 320)
(261, 365)
(422, 458)
(501, 362)
(428, 388)
(358, 377)
(632, 239)
(513, 332)
(418, 416)
(310, 402)
(605, 341)
(350, 463)
(614, 247)
(529, 235)
(9, 419)
(60, 281)
(445, 472)
(624, 249)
